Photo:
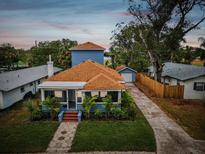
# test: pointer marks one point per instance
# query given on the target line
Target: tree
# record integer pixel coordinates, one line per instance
(108, 105)
(88, 104)
(53, 106)
(162, 24)
(126, 48)
(59, 50)
(201, 50)
(9, 56)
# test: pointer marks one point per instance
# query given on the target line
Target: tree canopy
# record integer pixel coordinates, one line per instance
(158, 29)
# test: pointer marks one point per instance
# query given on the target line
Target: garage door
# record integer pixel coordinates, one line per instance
(127, 77)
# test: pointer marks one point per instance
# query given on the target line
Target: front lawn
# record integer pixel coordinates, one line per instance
(18, 134)
(33, 137)
(114, 136)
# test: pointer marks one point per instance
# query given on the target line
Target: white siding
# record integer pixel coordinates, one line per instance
(169, 81)
(15, 95)
(189, 92)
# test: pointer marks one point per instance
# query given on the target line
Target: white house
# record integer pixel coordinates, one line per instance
(15, 85)
(192, 77)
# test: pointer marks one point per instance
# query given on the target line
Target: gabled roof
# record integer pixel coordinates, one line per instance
(103, 82)
(181, 71)
(124, 68)
(96, 76)
(84, 72)
(14, 79)
(87, 46)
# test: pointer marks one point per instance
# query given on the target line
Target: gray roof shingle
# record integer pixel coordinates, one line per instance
(14, 79)
(181, 71)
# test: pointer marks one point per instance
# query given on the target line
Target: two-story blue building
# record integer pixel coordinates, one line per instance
(85, 51)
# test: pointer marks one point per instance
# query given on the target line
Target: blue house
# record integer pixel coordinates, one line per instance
(127, 73)
(85, 51)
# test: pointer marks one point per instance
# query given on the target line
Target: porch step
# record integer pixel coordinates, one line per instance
(70, 116)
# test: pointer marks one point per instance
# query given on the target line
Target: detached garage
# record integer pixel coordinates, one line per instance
(127, 73)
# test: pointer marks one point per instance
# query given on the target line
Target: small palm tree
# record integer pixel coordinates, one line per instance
(53, 105)
(108, 105)
(88, 104)
(30, 107)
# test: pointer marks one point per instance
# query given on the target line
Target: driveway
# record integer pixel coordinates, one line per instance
(170, 137)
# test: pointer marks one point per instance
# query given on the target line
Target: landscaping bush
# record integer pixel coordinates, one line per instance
(128, 105)
(98, 114)
(53, 106)
(88, 104)
(127, 110)
(118, 113)
(35, 112)
(108, 105)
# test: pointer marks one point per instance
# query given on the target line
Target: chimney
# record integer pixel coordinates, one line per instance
(50, 67)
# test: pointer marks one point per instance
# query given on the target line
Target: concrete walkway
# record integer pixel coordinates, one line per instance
(63, 137)
(170, 137)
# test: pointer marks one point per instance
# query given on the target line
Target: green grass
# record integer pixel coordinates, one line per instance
(136, 135)
(33, 137)
(18, 134)
(114, 136)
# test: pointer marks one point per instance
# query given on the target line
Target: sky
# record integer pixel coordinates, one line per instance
(24, 21)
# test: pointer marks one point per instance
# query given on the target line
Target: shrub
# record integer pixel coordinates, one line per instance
(88, 104)
(128, 104)
(37, 114)
(53, 106)
(118, 113)
(30, 107)
(108, 105)
(98, 113)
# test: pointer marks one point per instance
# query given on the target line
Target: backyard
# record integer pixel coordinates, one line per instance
(189, 114)
(18, 134)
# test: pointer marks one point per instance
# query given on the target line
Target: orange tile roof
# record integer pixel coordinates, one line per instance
(86, 71)
(120, 67)
(103, 82)
(87, 46)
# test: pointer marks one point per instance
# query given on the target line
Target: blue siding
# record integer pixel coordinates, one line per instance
(80, 56)
(129, 71)
(98, 106)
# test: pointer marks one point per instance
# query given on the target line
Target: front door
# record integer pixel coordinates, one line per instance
(71, 100)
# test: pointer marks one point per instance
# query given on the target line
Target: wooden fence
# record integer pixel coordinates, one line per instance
(159, 89)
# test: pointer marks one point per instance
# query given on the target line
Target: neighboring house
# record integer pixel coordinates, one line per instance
(88, 78)
(127, 73)
(15, 85)
(87, 51)
(192, 77)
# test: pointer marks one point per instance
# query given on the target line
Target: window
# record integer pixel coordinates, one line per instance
(39, 81)
(49, 93)
(88, 94)
(114, 95)
(22, 89)
(61, 96)
(79, 99)
(99, 99)
(199, 86)
(31, 84)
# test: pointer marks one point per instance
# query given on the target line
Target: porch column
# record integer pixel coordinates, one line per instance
(42, 95)
(119, 96)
